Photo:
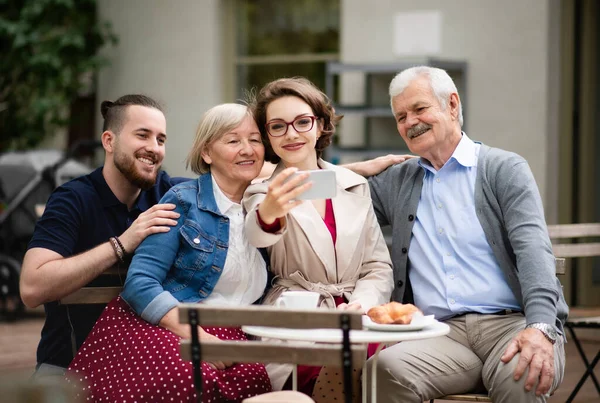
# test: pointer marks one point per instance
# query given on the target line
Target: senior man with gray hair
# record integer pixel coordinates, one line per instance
(470, 245)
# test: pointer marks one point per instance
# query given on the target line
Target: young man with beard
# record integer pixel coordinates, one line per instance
(96, 221)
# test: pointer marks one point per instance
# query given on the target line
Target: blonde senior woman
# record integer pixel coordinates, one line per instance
(132, 354)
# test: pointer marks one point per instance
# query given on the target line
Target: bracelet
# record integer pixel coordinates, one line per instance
(117, 248)
(122, 247)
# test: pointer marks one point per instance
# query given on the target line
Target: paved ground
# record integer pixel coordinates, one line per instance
(18, 342)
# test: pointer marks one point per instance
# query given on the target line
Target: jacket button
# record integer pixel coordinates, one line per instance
(404, 250)
(400, 283)
(411, 217)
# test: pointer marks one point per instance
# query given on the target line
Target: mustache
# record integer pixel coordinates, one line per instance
(418, 129)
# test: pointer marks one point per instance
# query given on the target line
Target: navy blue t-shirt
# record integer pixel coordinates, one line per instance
(80, 215)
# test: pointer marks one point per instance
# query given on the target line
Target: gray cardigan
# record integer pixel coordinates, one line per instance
(509, 208)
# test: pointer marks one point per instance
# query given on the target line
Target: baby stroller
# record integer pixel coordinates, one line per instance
(26, 181)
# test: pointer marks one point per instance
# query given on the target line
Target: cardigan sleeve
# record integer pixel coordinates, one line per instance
(522, 213)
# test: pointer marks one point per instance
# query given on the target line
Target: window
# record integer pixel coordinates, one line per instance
(284, 38)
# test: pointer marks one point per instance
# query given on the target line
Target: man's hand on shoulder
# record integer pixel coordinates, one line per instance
(537, 354)
(158, 218)
(377, 165)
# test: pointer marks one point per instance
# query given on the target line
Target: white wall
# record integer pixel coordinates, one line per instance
(171, 52)
(505, 44)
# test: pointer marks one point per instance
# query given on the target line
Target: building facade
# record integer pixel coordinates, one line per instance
(530, 67)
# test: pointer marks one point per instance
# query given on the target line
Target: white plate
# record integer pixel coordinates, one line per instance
(419, 322)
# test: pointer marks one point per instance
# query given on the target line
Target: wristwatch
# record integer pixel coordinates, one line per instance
(547, 330)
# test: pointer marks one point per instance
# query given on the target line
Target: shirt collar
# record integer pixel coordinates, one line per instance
(223, 202)
(465, 154)
(107, 197)
(144, 200)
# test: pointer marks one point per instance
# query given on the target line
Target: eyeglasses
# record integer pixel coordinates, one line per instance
(301, 124)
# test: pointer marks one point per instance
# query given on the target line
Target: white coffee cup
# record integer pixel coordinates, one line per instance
(298, 300)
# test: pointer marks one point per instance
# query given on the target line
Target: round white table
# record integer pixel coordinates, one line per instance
(436, 329)
(356, 336)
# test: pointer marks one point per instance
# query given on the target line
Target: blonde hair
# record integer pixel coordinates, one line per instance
(215, 123)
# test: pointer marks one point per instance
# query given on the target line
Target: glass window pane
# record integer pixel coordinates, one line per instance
(268, 27)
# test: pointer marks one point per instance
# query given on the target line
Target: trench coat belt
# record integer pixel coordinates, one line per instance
(297, 281)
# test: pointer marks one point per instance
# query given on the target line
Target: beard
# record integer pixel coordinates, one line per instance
(126, 165)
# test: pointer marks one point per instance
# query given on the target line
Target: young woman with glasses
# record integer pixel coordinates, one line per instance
(334, 247)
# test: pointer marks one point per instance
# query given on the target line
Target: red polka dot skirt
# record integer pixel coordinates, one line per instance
(126, 359)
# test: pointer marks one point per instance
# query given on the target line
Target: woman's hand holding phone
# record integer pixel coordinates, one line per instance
(282, 195)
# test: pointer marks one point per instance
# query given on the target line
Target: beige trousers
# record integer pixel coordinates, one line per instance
(466, 360)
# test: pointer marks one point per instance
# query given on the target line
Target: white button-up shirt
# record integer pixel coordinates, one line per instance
(244, 275)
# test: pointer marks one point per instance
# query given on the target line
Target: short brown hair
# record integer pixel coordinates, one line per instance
(114, 112)
(305, 90)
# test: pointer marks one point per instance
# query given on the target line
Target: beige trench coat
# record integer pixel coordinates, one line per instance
(303, 256)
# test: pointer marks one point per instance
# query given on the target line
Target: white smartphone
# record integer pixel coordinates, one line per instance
(324, 185)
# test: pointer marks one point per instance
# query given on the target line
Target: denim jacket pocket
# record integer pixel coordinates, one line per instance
(196, 238)
(194, 250)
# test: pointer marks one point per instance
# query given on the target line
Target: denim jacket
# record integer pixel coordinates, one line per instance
(185, 263)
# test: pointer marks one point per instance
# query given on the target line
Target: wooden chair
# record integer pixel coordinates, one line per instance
(477, 397)
(101, 294)
(96, 295)
(581, 248)
(92, 295)
(344, 355)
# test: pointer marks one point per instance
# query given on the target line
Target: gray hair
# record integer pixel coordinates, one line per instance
(215, 123)
(441, 84)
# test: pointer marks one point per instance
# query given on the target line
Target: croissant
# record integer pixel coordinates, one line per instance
(392, 313)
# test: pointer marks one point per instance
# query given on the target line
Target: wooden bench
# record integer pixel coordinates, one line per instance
(577, 245)
(559, 234)
(92, 295)
(95, 295)
(98, 295)
(343, 355)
